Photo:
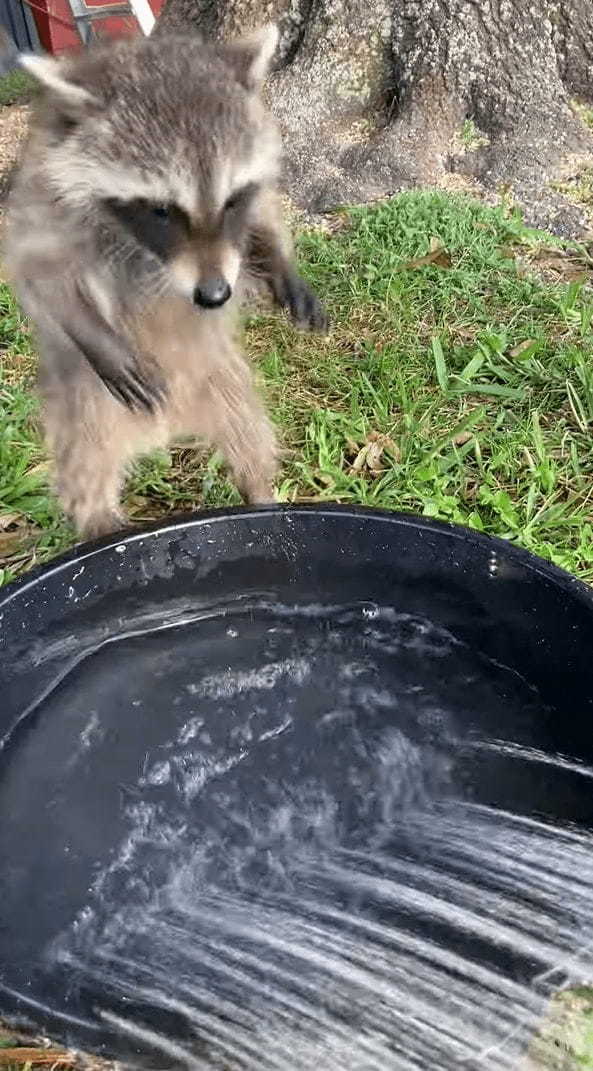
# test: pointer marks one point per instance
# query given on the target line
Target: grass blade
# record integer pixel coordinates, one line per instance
(440, 365)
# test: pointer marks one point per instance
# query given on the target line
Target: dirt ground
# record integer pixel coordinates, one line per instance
(13, 127)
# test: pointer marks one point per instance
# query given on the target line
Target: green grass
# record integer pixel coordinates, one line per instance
(579, 188)
(565, 1041)
(460, 389)
(16, 88)
(471, 137)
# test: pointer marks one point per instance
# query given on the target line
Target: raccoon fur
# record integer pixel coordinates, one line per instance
(146, 190)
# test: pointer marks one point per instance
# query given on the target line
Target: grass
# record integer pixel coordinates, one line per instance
(579, 188)
(456, 383)
(471, 137)
(17, 87)
(565, 1042)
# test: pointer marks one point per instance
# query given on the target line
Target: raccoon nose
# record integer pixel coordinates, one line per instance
(212, 292)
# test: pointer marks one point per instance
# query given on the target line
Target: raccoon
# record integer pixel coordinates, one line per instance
(148, 188)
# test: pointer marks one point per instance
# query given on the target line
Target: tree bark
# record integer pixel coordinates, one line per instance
(372, 94)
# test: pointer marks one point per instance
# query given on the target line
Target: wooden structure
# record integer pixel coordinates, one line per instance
(66, 25)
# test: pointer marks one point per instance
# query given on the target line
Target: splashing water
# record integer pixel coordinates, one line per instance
(314, 876)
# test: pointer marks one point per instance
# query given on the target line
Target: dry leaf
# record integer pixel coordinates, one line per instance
(8, 519)
(572, 267)
(521, 347)
(543, 252)
(553, 263)
(463, 437)
(466, 332)
(373, 458)
(386, 442)
(11, 542)
(438, 257)
(136, 502)
(575, 275)
(358, 463)
(369, 456)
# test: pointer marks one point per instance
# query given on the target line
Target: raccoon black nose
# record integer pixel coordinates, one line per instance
(212, 292)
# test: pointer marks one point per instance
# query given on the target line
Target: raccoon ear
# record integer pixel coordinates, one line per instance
(251, 56)
(72, 99)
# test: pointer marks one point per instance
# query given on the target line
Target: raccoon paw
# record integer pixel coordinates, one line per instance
(100, 524)
(295, 295)
(135, 387)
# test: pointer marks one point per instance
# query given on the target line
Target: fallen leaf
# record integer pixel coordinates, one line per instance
(570, 266)
(466, 332)
(553, 263)
(373, 457)
(370, 455)
(462, 438)
(438, 257)
(8, 519)
(386, 442)
(521, 347)
(358, 463)
(544, 252)
(136, 502)
(11, 542)
(576, 276)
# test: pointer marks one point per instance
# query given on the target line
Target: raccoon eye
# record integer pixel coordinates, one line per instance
(161, 211)
(240, 197)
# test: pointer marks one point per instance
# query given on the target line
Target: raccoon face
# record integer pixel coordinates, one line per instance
(169, 138)
(201, 253)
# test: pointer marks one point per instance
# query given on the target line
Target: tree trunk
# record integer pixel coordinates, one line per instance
(372, 94)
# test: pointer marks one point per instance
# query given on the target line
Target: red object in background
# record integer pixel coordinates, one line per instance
(57, 31)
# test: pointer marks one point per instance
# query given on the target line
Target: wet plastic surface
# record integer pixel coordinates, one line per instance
(227, 664)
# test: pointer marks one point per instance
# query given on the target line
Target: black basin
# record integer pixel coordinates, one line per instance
(304, 787)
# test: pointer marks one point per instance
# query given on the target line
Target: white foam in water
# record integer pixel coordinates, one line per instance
(281, 943)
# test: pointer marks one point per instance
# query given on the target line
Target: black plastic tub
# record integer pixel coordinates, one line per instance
(261, 767)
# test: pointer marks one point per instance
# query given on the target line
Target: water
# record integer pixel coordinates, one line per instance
(349, 958)
(337, 845)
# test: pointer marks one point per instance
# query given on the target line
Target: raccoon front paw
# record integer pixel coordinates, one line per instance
(135, 387)
(295, 295)
(100, 524)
